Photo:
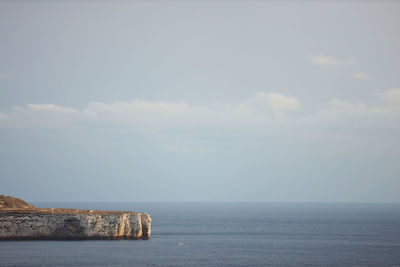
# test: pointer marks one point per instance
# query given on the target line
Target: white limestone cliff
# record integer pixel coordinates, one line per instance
(24, 221)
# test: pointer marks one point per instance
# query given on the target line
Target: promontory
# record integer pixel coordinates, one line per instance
(20, 220)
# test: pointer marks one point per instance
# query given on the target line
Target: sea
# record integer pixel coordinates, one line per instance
(231, 234)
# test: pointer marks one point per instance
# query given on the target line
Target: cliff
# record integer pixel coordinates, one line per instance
(21, 220)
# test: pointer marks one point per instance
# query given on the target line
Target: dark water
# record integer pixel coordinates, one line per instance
(228, 234)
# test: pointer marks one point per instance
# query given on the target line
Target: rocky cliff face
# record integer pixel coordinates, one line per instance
(24, 221)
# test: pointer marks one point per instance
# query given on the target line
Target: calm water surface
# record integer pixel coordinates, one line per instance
(231, 234)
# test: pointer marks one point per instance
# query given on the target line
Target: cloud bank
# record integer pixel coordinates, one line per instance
(264, 111)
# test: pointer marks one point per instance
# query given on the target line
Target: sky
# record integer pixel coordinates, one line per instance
(200, 101)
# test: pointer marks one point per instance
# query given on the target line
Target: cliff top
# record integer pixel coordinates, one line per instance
(13, 203)
(9, 204)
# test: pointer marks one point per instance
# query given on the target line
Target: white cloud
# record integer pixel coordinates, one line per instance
(136, 108)
(353, 120)
(361, 75)
(256, 110)
(146, 113)
(167, 114)
(324, 60)
(337, 103)
(278, 104)
(392, 95)
(355, 108)
(51, 108)
(261, 112)
(41, 116)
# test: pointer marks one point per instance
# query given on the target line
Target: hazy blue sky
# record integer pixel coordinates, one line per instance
(191, 101)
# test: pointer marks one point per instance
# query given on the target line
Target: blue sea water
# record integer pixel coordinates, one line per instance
(231, 234)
